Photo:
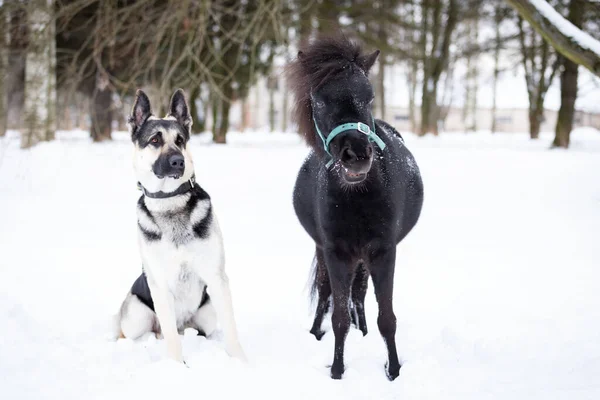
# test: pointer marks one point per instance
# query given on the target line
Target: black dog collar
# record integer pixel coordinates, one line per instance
(184, 188)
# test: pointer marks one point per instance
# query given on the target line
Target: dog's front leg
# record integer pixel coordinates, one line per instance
(218, 286)
(165, 310)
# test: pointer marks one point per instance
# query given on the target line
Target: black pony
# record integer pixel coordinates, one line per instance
(358, 193)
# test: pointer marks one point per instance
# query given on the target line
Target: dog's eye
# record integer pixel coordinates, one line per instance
(179, 141)
(156, 140)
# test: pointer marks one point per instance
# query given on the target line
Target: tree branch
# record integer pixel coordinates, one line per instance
(565, 37)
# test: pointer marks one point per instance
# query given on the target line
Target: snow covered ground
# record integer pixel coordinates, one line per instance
(497, 292)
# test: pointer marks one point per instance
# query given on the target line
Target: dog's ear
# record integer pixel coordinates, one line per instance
(140, 112)
(180, 110)
(366, 62)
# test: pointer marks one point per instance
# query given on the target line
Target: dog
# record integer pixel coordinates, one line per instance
(183, 283)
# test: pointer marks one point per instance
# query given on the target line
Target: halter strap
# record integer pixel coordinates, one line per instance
(358, 126)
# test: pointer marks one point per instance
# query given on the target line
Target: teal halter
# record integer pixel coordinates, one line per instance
(359, 126)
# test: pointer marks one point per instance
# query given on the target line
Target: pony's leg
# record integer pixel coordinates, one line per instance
(382, 272)
(340, 276)
(359, 291)
(323, 292)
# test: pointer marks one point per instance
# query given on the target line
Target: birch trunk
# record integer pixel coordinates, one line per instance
(40, 75)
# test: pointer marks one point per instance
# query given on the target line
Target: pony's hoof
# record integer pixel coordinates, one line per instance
(392, 373)
(364, 331)
(336, 373)
(317, 334)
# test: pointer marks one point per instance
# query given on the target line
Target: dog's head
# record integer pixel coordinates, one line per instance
(161, 159)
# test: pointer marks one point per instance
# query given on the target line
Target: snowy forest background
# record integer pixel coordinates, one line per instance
(76, 64)
(496, 290)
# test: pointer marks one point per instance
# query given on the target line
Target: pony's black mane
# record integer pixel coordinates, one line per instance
(315, 65)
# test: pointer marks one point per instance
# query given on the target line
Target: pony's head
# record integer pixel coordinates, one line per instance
(333, 100)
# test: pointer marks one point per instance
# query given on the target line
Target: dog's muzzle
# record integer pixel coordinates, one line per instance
(170, 165)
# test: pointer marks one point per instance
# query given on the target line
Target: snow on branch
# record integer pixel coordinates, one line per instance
(565, 37)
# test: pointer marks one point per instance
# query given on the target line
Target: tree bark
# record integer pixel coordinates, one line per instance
(471, 86)
(194, 93)
(568, 85)
(15, 78)
(3, 65)
(381, 67)
(101, 109)
(40, 75)
(562, 42)
(539, 74)
(535, 121)
(497, 21)
(284, 108)
(413, 68)
(381, 86)
(221, 115)
(245, 114)
(271, 86)
(435, 63)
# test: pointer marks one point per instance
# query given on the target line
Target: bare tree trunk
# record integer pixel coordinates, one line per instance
(82, 105)
(306, 21)
(101, 109)
(412, 94)
(257, 100)
(15, 78)
(436, 63)
(245, 114)
(221, 115)
(568, 85)
(471, 86)
(535, 121)
(284, 110)
(271, 86)
(194, 94)
(3, 70)
(497, 21)
(413, 68)
(40, 75)
(539, 73)
(429, 111)
(381, 68)
(381, 86)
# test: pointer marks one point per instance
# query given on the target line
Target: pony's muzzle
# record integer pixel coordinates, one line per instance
(357, 160)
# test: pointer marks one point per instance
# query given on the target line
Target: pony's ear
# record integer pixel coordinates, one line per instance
(366, 62)
(141, 110)
(180, 110)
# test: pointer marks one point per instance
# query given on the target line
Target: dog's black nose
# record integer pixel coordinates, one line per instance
(176, 161)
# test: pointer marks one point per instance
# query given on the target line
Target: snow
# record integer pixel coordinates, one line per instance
(585, 40)
(497, 289)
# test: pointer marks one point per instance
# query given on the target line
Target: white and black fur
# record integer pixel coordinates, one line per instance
(179, 237)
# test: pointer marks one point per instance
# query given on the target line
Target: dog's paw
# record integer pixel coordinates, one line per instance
(237, 352)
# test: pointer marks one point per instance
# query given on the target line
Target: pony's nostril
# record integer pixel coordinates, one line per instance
(348, 154)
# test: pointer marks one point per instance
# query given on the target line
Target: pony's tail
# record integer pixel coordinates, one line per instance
(312, 281)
